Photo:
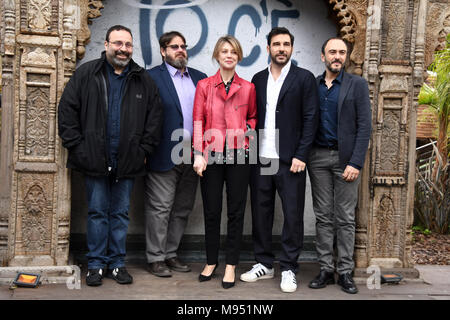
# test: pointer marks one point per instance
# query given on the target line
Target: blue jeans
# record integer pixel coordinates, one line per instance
(107, 223)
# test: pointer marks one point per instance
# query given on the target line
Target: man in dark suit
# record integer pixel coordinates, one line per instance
(170, 183)
(288, 107)
(335, 164)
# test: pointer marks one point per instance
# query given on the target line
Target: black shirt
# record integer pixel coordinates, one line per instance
(327, 135)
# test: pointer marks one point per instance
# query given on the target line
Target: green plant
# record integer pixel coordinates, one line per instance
(432, 198)
(437, 96)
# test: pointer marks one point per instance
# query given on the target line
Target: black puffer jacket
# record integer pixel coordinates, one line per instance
(82, 119)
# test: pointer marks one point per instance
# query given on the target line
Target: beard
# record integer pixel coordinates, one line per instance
(179, 62)
(115, 61)
(328, 64)
(273, 58)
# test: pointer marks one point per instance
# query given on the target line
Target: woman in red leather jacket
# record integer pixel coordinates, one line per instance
(224, 110)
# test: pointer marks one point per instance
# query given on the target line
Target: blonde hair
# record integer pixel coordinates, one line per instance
(232, 41)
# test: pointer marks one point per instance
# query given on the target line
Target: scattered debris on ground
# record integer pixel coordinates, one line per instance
(431, 248)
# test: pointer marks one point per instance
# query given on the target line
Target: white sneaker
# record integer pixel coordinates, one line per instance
(258, 271)
(288, 281)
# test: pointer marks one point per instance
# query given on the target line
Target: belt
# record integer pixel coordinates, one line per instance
(333, 147)
(230, 155)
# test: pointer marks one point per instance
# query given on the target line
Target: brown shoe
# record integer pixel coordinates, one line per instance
(176, 265)
(159, 269)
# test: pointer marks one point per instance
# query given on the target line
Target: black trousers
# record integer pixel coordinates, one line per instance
(291, 189)
(236, 177)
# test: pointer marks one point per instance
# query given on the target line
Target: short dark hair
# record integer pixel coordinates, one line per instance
(117, 27)
(279, 30)
(165, 38)
(332, 38)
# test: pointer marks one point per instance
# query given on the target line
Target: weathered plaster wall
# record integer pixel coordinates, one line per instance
(250, 21)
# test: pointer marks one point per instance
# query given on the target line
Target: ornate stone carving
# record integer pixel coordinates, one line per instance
(39, 14)
(35, 200)
(385, 226)
(34, 230)
(70, 17)
(438, 26)
(94, 9)
(37, 122)
(394, 82)
(397, 26)
(387, 248)
(88, 10)
(37, 111)
(391, 121)
(390, 141)
(38, 57)
(352, 20)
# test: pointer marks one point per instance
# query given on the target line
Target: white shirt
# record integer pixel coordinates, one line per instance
(269, 144)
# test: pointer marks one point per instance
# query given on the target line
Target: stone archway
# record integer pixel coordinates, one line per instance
(39, 48)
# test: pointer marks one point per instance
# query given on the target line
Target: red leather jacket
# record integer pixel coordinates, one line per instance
(238, 108)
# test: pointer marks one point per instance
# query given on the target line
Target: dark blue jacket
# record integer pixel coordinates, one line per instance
(160, 160)
(354, 120)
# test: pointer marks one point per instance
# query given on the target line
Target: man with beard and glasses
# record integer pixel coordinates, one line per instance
(335, 163)
(288, 110)
(170, 183)
(109, 119)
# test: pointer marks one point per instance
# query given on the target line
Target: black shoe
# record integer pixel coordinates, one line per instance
(94, 277)
(347, 283)
(228, 285)
(160, 269)
(322, 280)
(203, 278)
(176, 265)
(121, 275)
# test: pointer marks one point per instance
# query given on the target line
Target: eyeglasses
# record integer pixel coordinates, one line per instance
(120, 44)
(176, 46)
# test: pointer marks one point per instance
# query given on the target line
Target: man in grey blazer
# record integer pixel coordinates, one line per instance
(335, 162)
(170, 183)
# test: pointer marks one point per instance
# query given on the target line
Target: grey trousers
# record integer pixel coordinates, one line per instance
(334, 203)
(169, 199)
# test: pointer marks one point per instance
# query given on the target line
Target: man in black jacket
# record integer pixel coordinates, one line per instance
(287, 101)
(335, 163)
(109, 118)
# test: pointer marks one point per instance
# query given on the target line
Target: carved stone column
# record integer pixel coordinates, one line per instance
(394, 66)
(7, 50)
(39, 56)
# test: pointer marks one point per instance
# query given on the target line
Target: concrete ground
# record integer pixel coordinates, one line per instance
(433, 284)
